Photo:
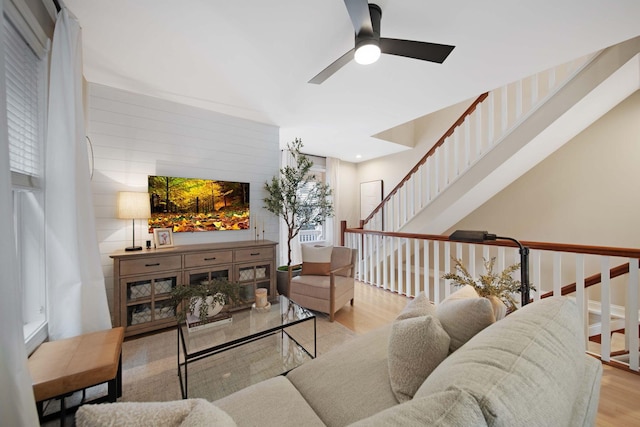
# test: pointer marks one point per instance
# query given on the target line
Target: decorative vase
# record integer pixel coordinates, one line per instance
(499, 307)
(212, 308)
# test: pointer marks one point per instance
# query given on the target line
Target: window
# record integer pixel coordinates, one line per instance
(313, 232)
(25, 98)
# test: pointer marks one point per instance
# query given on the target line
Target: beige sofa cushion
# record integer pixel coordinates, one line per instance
(274, 402)
(178, 413)
(524, 370)
(350, 382)
(416, 347)
(316, 260)
(447, 408)
(463, 314)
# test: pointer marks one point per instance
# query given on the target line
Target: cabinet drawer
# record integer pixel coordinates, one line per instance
(203, 259)
(253, 254)
(150, 265)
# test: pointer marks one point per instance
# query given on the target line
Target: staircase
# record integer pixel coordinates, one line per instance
(502, 135)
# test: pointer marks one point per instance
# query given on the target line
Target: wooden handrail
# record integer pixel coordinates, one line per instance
(447, 134)
(543, 246)
(620, 270)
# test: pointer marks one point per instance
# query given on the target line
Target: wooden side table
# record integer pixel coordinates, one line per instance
(61, 368)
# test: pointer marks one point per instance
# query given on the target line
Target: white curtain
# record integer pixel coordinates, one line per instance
(333, 177)
(75, 282)
(17, 405)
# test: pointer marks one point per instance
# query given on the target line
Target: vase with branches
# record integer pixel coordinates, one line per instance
(491, 284)
(203, 298)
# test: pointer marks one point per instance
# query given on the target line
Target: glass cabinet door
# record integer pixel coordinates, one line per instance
(148, 299)
(253, 276)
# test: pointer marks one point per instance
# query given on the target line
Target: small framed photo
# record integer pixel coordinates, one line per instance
(163, 237)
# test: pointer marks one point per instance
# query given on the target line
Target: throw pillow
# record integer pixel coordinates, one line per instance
(419, 306)
(416, 347)
(316, 260)
(462, 318)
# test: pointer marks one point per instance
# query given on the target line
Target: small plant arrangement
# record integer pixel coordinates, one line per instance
(198, 299)
(502, 285)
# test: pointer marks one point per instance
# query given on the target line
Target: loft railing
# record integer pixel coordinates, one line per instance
(410, 263)
(479, 129)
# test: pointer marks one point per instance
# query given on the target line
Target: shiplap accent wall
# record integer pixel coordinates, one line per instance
(134, 136)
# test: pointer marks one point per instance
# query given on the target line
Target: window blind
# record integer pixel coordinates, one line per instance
(23, 81)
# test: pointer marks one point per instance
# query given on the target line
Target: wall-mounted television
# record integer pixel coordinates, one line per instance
(192, 204)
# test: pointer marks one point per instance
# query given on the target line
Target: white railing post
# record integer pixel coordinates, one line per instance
(631, 318)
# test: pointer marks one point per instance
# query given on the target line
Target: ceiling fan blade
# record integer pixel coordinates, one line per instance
(432, 52)
(331, 69)
(359, 14)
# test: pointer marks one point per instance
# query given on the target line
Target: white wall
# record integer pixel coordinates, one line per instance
(134, 136)
(584, 193)
(393, 168)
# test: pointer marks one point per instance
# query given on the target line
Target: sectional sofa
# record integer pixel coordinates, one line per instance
(450, 365)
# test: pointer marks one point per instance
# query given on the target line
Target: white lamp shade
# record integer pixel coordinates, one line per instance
(133, 205)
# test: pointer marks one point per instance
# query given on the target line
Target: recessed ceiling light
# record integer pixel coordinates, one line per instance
(358, 156)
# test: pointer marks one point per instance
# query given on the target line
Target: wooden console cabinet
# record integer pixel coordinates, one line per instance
(144, 279)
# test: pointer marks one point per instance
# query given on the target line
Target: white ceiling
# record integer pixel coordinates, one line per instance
(253, 58)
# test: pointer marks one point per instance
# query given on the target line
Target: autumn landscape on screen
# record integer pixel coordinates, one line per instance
(191, 204)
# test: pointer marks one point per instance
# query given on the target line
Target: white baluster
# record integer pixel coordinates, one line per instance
(447, 268)
(385, 264)
(605, 310)
(467, 143)
(519, 95)
(504, 109)
(479, 128)
(366, 255)
(557, 273)
(379, 243)
(436, 272)
(372, 264)
(427, 272)
(581, 301)
(445, 161)
(535, 79)
(400, 268)
(408, 268)
(536, 258)
(631, 315)
(428, 172)
(491, 120)
(472, 260)
(392, 264)
(456, 153)
(416, 269)
(436, 176)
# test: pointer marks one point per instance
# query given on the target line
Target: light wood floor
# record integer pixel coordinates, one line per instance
(619, 392)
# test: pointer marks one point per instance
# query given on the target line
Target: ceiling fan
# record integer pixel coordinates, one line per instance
(369, 45)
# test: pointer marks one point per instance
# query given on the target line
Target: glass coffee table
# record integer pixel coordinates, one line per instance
(284, 335)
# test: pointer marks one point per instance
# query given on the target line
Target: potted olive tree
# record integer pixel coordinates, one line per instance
(300, 199)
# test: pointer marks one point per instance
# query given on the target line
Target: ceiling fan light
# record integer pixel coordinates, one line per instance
(367, 53)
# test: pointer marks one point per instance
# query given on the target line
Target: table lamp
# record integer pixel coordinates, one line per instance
(133, 205)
